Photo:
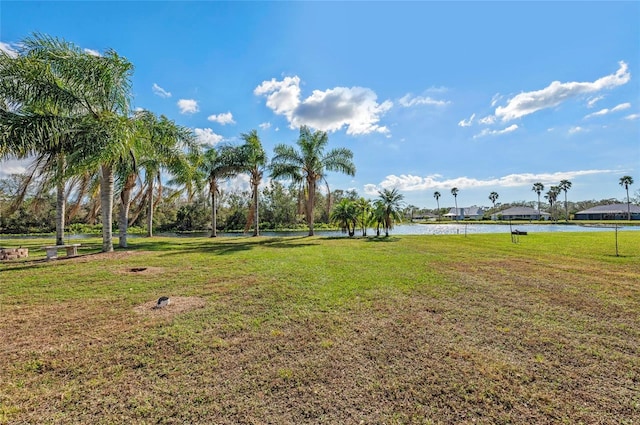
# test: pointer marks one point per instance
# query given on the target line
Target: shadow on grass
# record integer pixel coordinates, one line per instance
(225, 246)
(383, 239)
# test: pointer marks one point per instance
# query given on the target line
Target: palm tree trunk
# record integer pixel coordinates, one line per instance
(60, 203)
(628, 204)
(106, 204)
(125, 203)
(256, 220)
(310, 204)
(150, 211)
(457, 212)
(214, 214)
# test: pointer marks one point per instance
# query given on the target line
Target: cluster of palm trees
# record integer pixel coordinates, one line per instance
(70, 110)
(552, 195)
(383, 213)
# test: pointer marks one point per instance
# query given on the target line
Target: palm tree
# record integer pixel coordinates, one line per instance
(82, 97)
(538, 188)
(310, 165)
(627, 181)
(167, 143)
(454, 192)
(216, 164)
(345, 214)
(565, 185)
(252, 159)
(36, 119)
(552, 197)
(437, 195)
(391, 204)
(363, 207)
(493, 197)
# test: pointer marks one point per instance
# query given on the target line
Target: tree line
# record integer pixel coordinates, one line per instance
(70, 111)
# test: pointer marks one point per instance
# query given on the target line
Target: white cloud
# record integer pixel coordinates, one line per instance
(410, 183)
(355, 108)
(207, 136)
(621, 107)
(577, 129)
(529, 102)
(159, 91)
(408, 101)
(605, 111)
(495, 99)
(487, 132)
(632, 117)
(224, 119)
(467, 123)
(490, 119)
(265, 125)
(593, 100)
(8, 49)
(188, 106)
(92, 52)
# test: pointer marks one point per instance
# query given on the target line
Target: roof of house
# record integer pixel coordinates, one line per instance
(468, 211)
(522, 211)
(611, 209)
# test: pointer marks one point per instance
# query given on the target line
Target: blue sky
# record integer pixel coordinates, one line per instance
(483, 96)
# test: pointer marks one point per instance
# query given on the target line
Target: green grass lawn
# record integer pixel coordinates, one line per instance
(407, 329)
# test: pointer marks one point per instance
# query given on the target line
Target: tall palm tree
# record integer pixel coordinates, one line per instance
(252, 159)
(91, 93)
(627, 181)
(454, 192)
(493, 197)
(170, 146)
(565, 185)
(437, 195)
(37, 119)
(345, 214)
(310, 164)
(552, 197)
(538, 188)
(391, 203)
(216, 165)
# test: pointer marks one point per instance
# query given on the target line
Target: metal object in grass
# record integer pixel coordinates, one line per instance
(162, 302)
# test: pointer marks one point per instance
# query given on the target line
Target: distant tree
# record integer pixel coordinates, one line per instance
(454, 192)
(626, 181)
(552, 197)
(391, 204)
(437, 195)
(345, 214)
(493, 197)
(309, 165)
(565, 185)
(538, 188)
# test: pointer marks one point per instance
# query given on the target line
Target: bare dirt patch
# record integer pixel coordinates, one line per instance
(176, 305)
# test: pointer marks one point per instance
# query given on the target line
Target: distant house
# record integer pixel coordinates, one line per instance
(469, 213)
(609, 212)
(520, 213)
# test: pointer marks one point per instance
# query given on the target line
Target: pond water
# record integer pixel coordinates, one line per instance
(440, 229)
(402, 229)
